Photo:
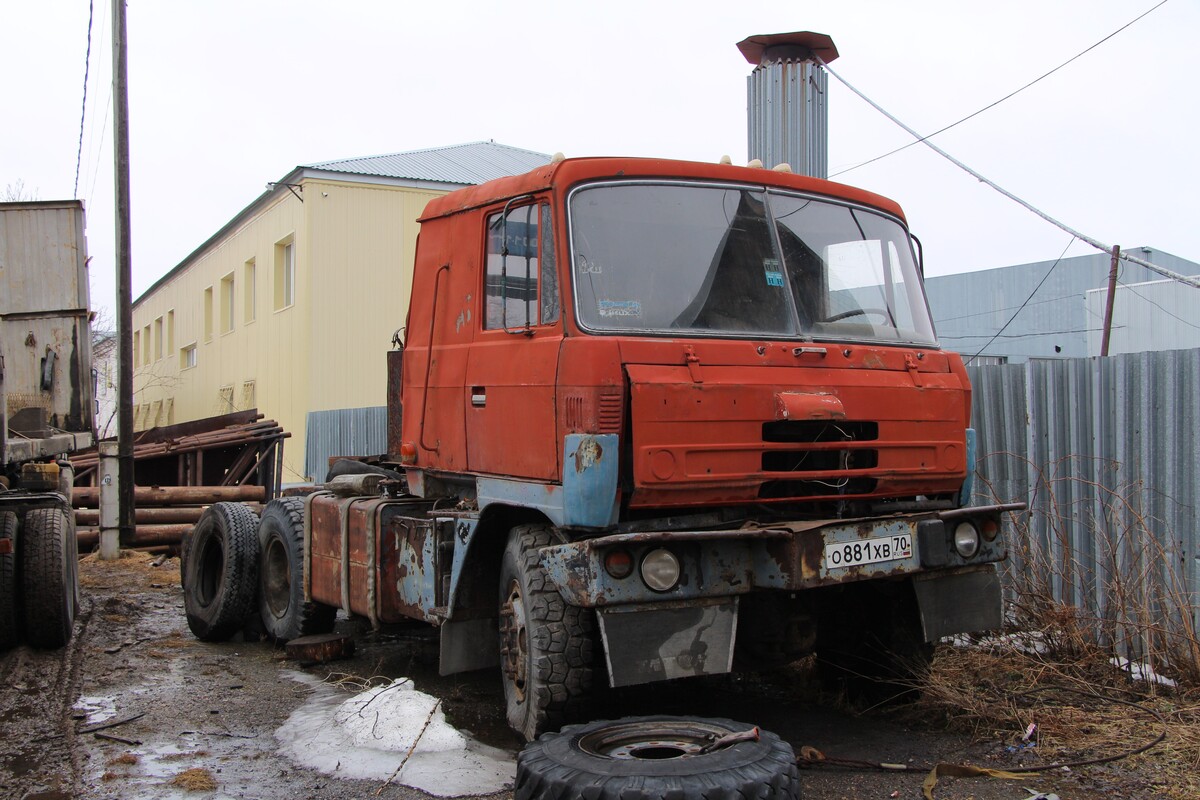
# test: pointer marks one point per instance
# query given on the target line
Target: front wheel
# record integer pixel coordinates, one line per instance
(546, 645)
(655, 757)
(285, 614)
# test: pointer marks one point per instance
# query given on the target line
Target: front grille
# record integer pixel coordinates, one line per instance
(777, 490)
(817, 431)
(818, 460)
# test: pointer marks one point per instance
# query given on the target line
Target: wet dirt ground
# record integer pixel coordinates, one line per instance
(213, 709)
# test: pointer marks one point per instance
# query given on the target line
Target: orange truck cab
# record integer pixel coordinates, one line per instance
(661, 419)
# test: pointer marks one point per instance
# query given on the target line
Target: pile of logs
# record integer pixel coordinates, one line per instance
(181, 469)
(162, 514)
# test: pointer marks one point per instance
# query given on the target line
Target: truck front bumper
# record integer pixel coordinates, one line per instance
(786, 557)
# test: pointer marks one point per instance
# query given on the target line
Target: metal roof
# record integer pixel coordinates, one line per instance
(475, 162)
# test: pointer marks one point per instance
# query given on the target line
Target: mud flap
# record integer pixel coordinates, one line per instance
(959, 602)
(467, 645)
(662, 641)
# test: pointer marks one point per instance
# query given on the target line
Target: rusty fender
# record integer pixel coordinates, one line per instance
(786, 556)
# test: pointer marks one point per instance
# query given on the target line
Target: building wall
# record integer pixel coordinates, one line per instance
(1054, 322)
(353, 247)
(1156, 315)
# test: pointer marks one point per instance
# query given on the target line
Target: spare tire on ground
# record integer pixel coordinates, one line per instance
(49, 577)
(219, 566)
(10, 610)
(658, 757)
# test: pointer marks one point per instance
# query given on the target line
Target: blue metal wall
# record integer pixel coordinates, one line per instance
(1105, 452)
(344, 432)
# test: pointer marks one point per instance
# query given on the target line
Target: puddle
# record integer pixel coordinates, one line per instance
(97, 709)
(368, 735)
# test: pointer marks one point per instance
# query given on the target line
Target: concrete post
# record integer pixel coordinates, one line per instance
(110, 533)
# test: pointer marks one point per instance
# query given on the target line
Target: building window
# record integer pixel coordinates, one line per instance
(248, 398)
(137, 348)
(187, 357)
(248, 290)
(285, 274)
(170, 348)
(227, 303)
(158, 338)
(208, 313)
(146, 352)
(225, 400)
(516, 246)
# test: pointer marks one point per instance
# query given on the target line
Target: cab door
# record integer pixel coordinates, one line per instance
(512, 367)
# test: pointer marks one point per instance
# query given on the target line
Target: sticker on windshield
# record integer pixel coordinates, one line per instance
(774, 274)
(619, 308)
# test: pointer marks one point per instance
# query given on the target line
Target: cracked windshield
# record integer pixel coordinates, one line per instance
(716, 260)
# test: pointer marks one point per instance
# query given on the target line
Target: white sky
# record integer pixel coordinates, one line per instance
(226, 96)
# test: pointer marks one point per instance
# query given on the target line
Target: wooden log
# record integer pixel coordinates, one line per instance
(143, 536)
(89, 496)
(146, 516)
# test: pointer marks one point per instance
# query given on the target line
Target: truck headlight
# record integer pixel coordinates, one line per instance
(966, 539)
(660, 570)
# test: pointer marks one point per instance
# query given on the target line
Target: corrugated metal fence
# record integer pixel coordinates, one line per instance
(1104, 451)
(344, 432)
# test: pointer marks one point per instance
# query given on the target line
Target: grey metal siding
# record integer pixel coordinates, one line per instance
(1105, 452)
(343, 432)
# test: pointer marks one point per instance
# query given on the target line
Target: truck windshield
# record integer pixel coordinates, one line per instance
(733, 260)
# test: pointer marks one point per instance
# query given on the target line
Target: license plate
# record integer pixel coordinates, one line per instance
(868, 551)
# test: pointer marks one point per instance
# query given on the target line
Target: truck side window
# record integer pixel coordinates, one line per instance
(511, 279)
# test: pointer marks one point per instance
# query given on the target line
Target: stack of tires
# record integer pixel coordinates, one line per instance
(238, 568)
(39, 576)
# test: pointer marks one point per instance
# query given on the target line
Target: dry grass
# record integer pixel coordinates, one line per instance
(184, 756)
(196, 779)
(125, 759)
(996, 688)
(133, 564)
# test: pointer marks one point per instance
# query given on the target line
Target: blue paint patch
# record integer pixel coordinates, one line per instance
(590, 479)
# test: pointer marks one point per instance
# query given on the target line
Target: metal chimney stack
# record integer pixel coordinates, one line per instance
(788, 118)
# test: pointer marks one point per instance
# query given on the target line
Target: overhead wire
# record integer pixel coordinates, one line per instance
(87, 63)
(1021, 308)
(1193, 282)
(1008, 96)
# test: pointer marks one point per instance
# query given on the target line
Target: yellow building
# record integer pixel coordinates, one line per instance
(292, 305)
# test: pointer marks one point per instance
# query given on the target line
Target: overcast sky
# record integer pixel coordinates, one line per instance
(226, 96)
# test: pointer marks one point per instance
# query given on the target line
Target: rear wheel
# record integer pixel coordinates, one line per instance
(546, 645)
(284, 612)
(49, 577)
(10, 614)
(220, 571)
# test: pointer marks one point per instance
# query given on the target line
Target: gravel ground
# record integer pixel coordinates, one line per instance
(211, 711)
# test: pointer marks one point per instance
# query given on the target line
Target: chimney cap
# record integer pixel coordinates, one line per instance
(801, 45)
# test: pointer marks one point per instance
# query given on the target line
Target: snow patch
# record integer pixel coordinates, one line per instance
(367, 736)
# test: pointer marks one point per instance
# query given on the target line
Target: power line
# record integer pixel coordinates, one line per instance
(1022, 306)
(1002, 99)
(87, 63)
(1193, 282)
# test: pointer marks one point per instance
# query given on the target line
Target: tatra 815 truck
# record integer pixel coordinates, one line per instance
(656, 419)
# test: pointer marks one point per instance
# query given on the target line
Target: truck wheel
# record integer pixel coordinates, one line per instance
(545, 644)
(285, 615)
(10, 618)
(220, 571)
(49, 577)
(872, 649)
(656, 757)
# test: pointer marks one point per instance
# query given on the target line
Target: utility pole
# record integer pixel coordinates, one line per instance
(124, 280)
(1112, 296)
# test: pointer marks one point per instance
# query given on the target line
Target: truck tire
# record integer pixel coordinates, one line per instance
(284, 613)
(871, 649)
(656, 757)
(546, 645)
(220, 571)
(49, 577)
(10, 614)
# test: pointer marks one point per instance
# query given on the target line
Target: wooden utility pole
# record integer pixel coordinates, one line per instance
(1112, 293)
(124, 279)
